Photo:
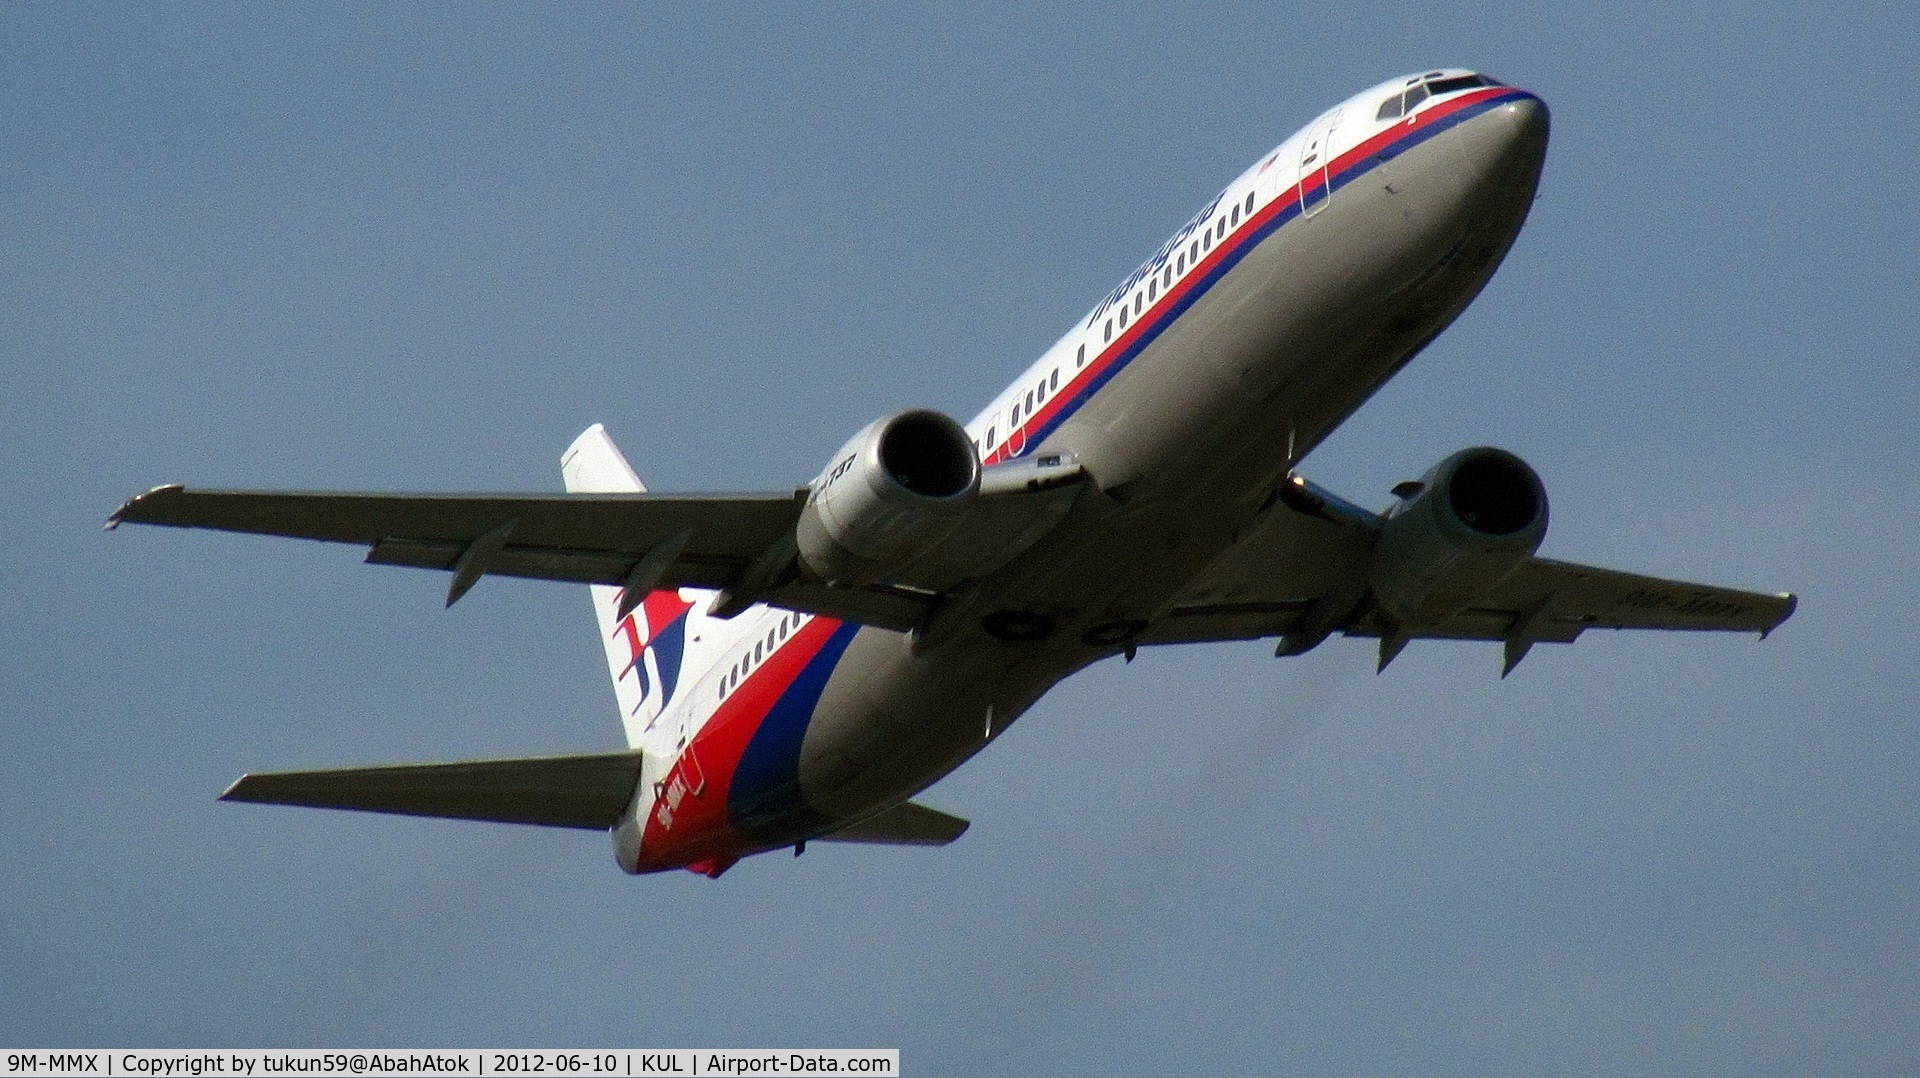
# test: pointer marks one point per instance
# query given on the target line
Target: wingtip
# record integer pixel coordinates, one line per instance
(233, 792)
(120, 515)
(1793, 604)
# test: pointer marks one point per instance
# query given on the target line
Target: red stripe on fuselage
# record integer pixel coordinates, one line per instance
(1198, 272)
(689, 820)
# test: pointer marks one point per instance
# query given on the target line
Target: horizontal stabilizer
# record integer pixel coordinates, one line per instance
(905, 824)
(555, 791)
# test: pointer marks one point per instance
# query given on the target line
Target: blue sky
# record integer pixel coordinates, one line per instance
(348, 247)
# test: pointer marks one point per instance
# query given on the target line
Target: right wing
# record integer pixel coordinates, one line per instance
(582, 538)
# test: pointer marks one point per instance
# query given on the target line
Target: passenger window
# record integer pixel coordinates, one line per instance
(1249, 202)
(1166, 276)
(1153, 288)
(1053, 380)
(1123, 318)
(1109, 329)
(1236, 214)
(1029, 400)
(1080, 359)
(1181, 264)
(756, 651)
(989, 439)
(1138, 302)
(772, 636)
(1193, 251)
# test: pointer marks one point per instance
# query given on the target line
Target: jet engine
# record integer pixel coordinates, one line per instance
(900, 485)
(1463, 528)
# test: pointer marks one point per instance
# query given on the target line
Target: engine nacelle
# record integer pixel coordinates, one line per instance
(900, 485)
(1477, 516)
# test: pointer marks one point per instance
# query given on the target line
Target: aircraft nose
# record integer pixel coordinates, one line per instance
(1506, 147)
(1525, 119)
(1511, 137)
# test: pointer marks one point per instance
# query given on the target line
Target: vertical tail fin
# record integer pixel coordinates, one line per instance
(646, 649)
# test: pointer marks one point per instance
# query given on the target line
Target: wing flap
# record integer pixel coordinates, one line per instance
(556, 791)
(577, 538)
(1557, 601)
(1303, 572)
(722, 527)
(579, 566)
(905, 824)
(1609, 599)
(1193, 623)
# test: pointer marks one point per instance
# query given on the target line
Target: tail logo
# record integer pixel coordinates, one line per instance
(657, 627)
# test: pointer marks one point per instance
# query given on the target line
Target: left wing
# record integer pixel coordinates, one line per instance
(703, 541)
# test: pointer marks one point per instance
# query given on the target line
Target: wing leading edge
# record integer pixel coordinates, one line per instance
(1302, 575)
(714, 540)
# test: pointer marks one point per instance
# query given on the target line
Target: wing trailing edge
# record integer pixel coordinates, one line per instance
(582, 538)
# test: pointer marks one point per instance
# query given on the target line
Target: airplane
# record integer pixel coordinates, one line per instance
(796, 666)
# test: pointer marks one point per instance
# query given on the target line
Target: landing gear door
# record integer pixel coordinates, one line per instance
(1316, 154)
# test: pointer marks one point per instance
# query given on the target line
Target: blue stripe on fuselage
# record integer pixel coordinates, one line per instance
(1240, 244)
(765, 792)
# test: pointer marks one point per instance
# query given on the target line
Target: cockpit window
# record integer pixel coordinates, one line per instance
(1462, 82)
(1432, 86)
(1402, 103)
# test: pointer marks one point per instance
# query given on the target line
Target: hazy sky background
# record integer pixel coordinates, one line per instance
(359, 248)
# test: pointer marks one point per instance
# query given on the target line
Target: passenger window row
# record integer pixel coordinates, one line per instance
(1127, 309)
(763, 650)
(1178, 268)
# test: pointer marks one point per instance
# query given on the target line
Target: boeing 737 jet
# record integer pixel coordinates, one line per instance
(794, 666)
